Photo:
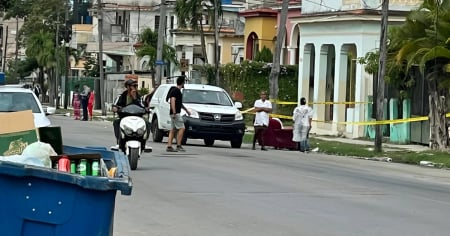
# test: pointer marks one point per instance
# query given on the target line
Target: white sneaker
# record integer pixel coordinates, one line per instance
(115, 147)
(148, 148)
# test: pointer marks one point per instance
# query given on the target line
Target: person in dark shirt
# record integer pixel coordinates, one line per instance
(129, 96)
(84, 96)
(176, 104)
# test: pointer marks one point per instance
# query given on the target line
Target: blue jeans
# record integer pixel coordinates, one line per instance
(303, 146)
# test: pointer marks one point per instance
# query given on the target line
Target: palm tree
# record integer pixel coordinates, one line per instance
(146, 46)
(424, 41)
(190, 13)
(41, 47)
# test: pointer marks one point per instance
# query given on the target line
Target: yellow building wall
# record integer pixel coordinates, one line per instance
(264, 27)
(226, 48)
(147, 82)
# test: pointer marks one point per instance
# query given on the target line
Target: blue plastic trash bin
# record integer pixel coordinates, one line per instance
(37, 201)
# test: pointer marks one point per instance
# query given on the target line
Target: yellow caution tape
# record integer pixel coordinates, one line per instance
(247, 111)
(344, 103)
(372, 122)
(323, 103)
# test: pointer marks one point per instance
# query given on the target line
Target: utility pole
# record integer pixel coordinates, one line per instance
(216, 42)
(275, 71)
(100, 57)
(160, 44)
(56, 69)
(5, 49)
(381, 73)
(17, 45)
(66, 47)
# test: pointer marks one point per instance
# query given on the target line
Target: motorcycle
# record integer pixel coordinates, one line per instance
(133, 133)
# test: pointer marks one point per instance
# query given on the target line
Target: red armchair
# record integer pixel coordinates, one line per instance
(278, 137)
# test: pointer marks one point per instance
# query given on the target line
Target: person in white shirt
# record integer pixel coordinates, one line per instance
(262, 108)
(302, 117)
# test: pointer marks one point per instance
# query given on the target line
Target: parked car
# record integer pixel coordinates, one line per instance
(214, 115)
(13, 98)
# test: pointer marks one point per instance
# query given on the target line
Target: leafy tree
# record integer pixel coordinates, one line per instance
(5, 4)
(148, 42)
(25, 67)
(13, 8)
(190, 14)
(264, 55)
(41, 47)
(37, 35)
(91, 68)
(42, 15)
(143, 91)
(424, 41)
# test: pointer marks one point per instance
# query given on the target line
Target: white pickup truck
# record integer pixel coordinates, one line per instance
(214, 115)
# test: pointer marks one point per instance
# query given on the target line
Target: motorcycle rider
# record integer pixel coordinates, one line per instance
(129, 96)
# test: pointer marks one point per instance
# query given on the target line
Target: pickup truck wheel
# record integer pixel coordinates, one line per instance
(208, 142)
(236, 143)
(157, 134)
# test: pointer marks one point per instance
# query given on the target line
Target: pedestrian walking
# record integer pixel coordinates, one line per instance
(262, 107)
(91, 102)
(176, 104)
(76, 103)
(302, 116)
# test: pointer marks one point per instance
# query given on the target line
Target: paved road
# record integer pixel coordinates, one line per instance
(224, 191)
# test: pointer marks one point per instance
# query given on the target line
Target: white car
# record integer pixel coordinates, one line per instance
(13, 98)
(214, 115)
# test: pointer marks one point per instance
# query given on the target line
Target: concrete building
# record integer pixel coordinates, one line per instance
(231, 33)
(10, 50)
(261, 29)
(333, 34)
(124, 20)
(325, 38)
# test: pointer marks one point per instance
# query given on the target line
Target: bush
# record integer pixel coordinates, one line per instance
(265, 55)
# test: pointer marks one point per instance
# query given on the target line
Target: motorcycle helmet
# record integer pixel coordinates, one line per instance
(130, 82)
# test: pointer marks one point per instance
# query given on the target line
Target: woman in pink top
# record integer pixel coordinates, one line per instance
(76, 103)
(91, 104)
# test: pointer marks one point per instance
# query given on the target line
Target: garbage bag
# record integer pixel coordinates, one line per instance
(41, 151)
(23, 160)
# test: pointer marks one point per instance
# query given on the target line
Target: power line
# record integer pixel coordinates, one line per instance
(371, 8)
(322, 5)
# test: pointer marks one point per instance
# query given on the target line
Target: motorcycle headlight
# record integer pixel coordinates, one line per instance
(128, 131)
(238, 116)
(140, 131)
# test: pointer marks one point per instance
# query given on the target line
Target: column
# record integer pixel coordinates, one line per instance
(320, 76)
(340, 85)
(189, 54)
(292, 55)
(360, 96)
(304, 71)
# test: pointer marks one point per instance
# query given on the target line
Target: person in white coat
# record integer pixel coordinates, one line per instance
(302, 116)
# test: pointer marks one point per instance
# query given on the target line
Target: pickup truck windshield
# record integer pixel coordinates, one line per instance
(14, 101)
(206, 97)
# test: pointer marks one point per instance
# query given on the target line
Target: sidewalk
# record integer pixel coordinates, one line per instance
(409, 147)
